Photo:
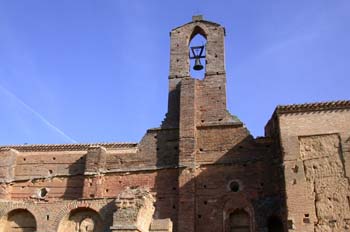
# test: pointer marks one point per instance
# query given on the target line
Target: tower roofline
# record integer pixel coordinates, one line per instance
(198, 18)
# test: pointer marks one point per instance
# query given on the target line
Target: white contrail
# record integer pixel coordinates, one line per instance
(30, 109)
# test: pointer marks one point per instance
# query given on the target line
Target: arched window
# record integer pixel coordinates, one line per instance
(197, 48)
(239, 221)
(274, 224)
(20, 220)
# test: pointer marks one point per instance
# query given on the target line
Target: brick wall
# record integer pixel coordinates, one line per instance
(316, 167)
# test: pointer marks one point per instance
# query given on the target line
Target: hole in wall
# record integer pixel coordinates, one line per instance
(205, 202)
(47, 217)
(43, 192)
(24, 159)
(290, 224)
(50, 171)
(234, 186)
(53, 158)
(295, 169)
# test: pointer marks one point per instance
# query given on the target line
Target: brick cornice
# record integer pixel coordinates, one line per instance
(67, 147)
(310, 107)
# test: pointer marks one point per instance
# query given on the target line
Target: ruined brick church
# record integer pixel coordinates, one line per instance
(201, 170)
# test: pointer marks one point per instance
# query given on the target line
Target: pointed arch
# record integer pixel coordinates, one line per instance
(198, 30)
(197, 46)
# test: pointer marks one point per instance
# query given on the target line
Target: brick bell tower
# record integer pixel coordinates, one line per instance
(210, 93)
(195, 105)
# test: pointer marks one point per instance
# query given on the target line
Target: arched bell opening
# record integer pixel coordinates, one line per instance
(81, 220)
(197, 53)
(274, 224)
(18, 220)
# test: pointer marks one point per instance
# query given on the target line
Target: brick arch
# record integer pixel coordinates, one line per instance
(237, 203)
(18, 218)
(78, 214)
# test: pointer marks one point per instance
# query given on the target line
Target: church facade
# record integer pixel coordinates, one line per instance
(201, 170)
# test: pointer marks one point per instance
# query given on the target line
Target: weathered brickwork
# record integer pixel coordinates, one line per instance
(201, 170)
(315, 155)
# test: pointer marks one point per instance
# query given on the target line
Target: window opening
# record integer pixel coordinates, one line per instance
(234, 186)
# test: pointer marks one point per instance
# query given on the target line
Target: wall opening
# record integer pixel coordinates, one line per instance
(234, 186)
(239, 221)
(19, 220)
(81, 219)
(274, 224)
(42, 193)
(197, 41)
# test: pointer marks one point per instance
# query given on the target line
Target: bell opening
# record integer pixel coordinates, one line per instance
(197, 56)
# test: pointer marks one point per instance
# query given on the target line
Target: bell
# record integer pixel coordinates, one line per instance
(197, 65)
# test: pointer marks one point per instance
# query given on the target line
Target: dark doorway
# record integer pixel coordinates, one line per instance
(275, 224)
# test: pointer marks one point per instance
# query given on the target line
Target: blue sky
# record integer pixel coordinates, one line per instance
(96, 71)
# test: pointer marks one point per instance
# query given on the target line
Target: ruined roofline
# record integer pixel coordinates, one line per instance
(310, 107)
(67, 147)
